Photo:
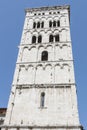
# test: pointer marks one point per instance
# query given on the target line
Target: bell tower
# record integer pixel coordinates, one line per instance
(43, 94)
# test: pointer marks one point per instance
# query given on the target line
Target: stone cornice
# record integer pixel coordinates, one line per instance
(44, 43)
(25, 86)
(48, 8)
(43, 62)
(45, 127)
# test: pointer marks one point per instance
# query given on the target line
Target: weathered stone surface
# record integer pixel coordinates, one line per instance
(54, 76)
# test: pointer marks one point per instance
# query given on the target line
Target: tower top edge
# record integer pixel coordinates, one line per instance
(48, 8)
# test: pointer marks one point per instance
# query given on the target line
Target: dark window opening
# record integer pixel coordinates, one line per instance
(34, 25)
(34, 39)
(42, 99)
(44, 56)
(39, 39)
(50, 23)
(42, 24)
(58, 12)
(51, 38)
(54, 12)
(54, 23)
(38, 25)
(57, 38)
(58, 23)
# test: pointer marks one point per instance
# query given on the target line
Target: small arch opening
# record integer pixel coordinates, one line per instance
(54, 23)
(42, 99)
(50, 24)
(39, 39)
(34, 25)
(58, 23)
(44, 56)
(42, 25)
(57, 38)
(34, 39)
(51, 38)
(38, 25)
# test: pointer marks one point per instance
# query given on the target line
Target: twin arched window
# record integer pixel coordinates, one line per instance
(37, 39)
(51, 24)
(38, 24)
(54, 38)
(54, 24)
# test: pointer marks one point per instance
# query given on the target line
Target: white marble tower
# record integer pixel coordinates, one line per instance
(43, 94)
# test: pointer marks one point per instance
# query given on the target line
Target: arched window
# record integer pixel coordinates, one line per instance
(34, 39)
(42, 24)
(39, 39)
(51, 38)
(44, 56)
(54, 23)
(50, 24)
(58, 23)
(42, 99)
(38, 25)
(57, 38)
(34, 25)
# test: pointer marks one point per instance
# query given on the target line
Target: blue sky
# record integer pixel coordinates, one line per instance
(11, 25)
